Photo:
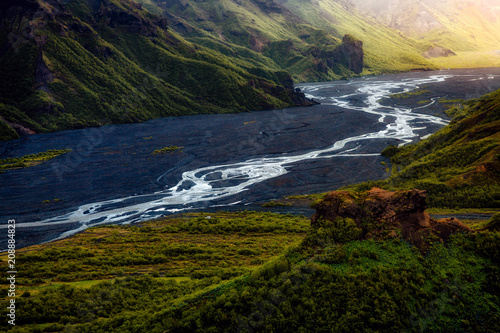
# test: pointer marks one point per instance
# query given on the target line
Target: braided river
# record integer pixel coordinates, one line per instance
(235, 161)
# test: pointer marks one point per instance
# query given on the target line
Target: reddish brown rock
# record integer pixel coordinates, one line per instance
(384, 214)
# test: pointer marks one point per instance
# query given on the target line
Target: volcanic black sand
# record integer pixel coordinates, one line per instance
(116, 161)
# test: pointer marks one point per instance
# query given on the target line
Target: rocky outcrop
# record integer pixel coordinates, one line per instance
(285, 87)
(19, 128)
(382, 214)
(257, 43)
(438, 51)
(350, 54)
(300, 99)
(296, 95)
(43, 75)
(269, 6)
(114, 16)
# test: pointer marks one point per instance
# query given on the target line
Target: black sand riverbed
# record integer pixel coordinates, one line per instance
(117, 161)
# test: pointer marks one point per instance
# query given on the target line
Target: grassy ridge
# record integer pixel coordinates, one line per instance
(470, 30)
(311, 29)
(459, 26)
(363, 286)
(259, 31)
(386, 50)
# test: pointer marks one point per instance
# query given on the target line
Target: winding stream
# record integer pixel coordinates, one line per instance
(360, 127)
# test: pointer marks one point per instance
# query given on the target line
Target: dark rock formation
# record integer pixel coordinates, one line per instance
(269, 6)
(438, 51)
(299, 99)
(350, 54)
(382, 214)
(19, 128)
(43, 75)
(285, 88)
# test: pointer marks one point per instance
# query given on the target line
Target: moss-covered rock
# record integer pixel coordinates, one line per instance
(379, 214)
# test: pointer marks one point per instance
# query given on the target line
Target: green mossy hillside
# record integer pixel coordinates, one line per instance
(396, 35)
(364, 286)
(83, 63)
(296, 36)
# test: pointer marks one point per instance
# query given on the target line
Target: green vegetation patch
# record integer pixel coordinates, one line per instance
(373, 286)
(30, 160)
(191, 245)
(170, 149)
(409, 94)
(111, 271)
(277, 204)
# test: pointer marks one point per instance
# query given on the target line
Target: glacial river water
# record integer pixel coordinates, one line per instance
(111, 176)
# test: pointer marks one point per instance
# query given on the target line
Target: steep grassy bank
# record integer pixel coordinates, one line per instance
(362, 286)
(459, 165)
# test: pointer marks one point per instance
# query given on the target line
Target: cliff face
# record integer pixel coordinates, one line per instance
(350, 54)
(382, 214)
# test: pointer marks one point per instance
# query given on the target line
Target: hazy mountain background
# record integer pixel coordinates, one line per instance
(460, 25)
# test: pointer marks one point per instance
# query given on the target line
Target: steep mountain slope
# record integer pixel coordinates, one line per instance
(91, 62)
(397, 35)
(79, 63)
(459, 165)
(450, 33)
(298, 36)
(386, 49)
